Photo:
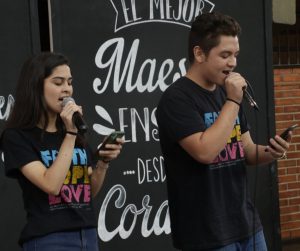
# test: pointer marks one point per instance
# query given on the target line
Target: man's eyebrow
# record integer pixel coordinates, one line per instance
(229, 52)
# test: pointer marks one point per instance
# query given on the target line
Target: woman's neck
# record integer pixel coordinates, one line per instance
(51, 126)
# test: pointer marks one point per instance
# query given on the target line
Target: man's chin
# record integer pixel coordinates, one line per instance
(220, 83)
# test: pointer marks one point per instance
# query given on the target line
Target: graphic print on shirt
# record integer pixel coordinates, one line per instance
(233, 151)
(76, 190)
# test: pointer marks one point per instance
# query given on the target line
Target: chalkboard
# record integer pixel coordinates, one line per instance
(124, 54)
(19, 39)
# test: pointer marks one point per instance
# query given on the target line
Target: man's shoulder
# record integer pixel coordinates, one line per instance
(181, 82)
(179, 86)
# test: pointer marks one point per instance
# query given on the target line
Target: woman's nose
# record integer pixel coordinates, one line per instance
(67, 88)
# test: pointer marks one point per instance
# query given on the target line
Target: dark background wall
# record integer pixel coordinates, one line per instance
(123, 57)
(19, 39)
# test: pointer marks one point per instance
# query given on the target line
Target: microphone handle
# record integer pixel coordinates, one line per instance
(249, 98)
(79, 123)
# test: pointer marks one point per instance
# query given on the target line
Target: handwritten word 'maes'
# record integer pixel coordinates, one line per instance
(121, 69)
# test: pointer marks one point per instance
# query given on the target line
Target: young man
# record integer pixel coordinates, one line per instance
(206, 145)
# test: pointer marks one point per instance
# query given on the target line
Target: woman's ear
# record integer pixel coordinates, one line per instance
(199, 54)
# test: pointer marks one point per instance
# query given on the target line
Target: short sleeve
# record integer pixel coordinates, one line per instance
(92, 158)
(178, 116)
(18, 151)
(245, 126)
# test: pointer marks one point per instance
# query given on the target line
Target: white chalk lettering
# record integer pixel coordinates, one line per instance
(186, 10)
(9, 105)
(144, 121)
(180, 12)
(150, 170)
(130, 213)
(133, 12)
(115, 64)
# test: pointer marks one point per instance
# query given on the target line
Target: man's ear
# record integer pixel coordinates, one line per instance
(199, 54)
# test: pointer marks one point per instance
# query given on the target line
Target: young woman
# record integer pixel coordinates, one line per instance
(57, 171)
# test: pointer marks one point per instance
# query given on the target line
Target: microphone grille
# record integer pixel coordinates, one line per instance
(66, 100)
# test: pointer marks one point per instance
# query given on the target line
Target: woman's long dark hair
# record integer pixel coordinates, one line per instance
(30, 107)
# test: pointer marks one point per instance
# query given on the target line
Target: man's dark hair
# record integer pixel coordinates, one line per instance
(206, 31)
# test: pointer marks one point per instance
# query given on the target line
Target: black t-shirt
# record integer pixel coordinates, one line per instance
(72, 208)
(209, 204)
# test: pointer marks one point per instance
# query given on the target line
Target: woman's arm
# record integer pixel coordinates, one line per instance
(51, 179)
(110, 153)
(98, 176)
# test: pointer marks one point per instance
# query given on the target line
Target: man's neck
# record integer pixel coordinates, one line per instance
(196, 76)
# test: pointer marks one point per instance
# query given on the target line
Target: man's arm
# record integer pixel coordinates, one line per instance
(205, 146)
(266, 154)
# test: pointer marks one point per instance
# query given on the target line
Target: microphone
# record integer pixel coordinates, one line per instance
(249, 98)
(77, 118)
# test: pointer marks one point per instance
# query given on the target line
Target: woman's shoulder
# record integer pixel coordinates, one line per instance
(17, 131)
(12, 134)
(9, 133)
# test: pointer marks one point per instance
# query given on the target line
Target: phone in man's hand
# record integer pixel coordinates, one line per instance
(285, 133)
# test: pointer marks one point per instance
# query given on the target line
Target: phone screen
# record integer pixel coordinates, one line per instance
(111, 139)
(285, 134)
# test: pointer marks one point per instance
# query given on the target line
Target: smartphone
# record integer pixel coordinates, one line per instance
(285, 133)
(111, 139)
